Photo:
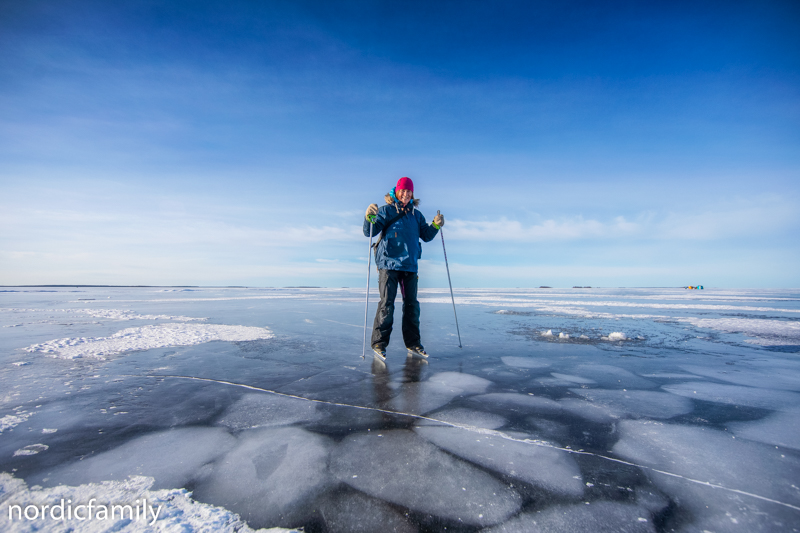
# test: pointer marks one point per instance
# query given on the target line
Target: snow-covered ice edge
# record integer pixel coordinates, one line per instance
(168, 510)
(147, 338)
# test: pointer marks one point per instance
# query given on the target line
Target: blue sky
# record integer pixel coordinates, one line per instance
(239, 143)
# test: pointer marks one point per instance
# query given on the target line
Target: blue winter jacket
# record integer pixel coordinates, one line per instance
(400, 248)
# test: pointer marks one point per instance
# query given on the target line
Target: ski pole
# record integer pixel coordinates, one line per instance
(450, 283)
(366, 304)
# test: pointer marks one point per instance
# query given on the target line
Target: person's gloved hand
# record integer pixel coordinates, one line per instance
(372, 210)
(438, 220)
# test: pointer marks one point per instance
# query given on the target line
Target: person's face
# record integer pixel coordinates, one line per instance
(404, 195)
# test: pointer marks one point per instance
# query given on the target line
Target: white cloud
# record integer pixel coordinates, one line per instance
(565, 229)
(764, 215)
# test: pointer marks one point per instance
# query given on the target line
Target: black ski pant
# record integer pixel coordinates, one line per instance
(384, 317)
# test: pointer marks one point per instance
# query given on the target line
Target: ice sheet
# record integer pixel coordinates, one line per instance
(637, 403)
(614, 377)
(467, 383)
(597, 517)
(173, 458)
(600, 413)
(355, 512)
(466, 417)
(439, 390)
(779, 429)
(267, 410)
(270, 477)
(715, 475)
(404, 469)
(524, 362)
(736, 395)
(783, 377)
(573, 397)
(547, 468)
(520, 403)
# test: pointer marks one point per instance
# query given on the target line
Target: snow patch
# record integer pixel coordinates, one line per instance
(147, 338)
(118, 314)
(10, 421)
(765, 332)
(31, 449)
(177, 511)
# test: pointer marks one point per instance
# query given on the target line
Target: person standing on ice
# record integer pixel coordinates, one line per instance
(401, 226)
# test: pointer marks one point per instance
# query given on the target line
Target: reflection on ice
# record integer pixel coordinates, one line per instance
(467, 383)
(425, 396)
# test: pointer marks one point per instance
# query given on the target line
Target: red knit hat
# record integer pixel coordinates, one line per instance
(404, 183)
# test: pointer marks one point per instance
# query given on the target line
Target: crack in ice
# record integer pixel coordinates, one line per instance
(481, 431)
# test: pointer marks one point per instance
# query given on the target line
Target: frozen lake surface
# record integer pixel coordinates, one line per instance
(634, 410)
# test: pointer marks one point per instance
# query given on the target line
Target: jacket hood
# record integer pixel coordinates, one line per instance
(391, 199)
